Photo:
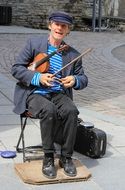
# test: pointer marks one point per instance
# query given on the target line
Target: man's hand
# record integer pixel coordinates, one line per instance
(68, 81)
(46, 79)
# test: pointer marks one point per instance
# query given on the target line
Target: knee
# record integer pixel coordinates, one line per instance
(49, 111)
(71, 111)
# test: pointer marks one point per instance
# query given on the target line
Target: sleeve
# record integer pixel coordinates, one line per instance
(81, 80)
(19, 69)
(77, 84)
(36, 79)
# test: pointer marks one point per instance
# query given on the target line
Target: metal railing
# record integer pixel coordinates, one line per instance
(94, 28)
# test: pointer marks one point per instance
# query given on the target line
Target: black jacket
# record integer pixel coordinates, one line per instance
(24, 76)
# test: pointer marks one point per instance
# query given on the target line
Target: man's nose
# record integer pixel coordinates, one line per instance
(60, 26)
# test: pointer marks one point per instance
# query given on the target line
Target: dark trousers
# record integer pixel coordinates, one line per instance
(55, 111)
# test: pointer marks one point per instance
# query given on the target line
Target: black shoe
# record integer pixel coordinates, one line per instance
(68, 165)
(48, 168)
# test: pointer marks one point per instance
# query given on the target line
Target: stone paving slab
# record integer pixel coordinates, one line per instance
(5, 109)
(119, 52)
(86, 185)
(21, 30)
(9, 180)
(110, 173)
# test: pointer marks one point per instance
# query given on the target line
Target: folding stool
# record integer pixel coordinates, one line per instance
(31, 149)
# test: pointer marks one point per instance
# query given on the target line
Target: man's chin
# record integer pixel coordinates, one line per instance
(59, 37)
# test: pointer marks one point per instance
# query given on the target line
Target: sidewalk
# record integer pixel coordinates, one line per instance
(101, 103)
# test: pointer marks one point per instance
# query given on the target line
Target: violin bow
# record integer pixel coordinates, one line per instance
(81, 55)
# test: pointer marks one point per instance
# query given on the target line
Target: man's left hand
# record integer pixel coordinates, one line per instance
(68, 81)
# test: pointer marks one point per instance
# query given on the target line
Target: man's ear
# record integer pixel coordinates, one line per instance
(68, 31)
(49, 26)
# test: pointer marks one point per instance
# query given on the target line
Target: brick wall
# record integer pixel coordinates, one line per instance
(34, 13)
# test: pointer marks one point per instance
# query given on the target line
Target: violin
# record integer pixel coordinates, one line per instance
(41, 61)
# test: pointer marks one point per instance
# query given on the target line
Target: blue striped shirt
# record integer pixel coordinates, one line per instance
(55, 65)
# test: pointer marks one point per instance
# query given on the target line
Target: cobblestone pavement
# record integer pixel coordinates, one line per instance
(106, 90)
(101, 103)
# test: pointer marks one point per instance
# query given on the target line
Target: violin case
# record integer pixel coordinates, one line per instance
(90, 141)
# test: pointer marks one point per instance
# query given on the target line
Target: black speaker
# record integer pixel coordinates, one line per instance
(90, 141)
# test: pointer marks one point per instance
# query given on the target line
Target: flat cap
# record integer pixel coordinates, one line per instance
(61, 17)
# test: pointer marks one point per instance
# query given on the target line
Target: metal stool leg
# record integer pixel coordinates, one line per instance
(30, 149)
(21, 137)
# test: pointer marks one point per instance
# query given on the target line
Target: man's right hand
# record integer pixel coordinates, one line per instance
(46, 79)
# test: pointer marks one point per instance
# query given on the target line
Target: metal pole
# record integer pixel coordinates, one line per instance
(100, 15)
(94, 16)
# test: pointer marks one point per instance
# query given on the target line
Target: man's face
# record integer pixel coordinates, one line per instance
(58, 30)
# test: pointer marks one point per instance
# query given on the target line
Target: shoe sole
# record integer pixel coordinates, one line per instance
(49, 177)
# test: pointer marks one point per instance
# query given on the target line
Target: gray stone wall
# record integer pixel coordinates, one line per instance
(34, 13)
(115, 8)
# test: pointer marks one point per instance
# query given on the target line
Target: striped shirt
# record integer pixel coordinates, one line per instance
(55, 65)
